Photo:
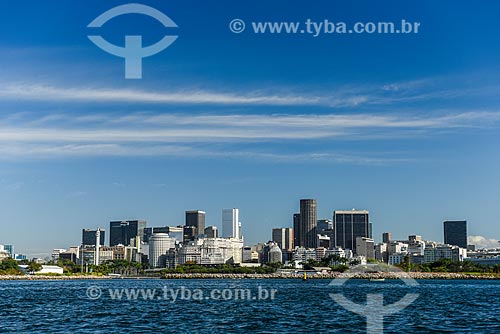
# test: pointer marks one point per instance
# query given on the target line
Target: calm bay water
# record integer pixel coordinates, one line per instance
(298, 307)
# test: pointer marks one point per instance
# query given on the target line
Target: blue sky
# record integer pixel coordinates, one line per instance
(405, 126)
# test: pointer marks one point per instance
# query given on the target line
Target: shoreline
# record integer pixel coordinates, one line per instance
(315, 276)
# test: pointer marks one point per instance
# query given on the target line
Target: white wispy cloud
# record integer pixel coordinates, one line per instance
(182, 135)
(482, 242)
(49, 151)
(44, 92)
(211, 133)
(178, 128)
(336, 97)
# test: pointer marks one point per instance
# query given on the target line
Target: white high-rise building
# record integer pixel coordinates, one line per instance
(159, 244)
(97, 246)
(231, 227)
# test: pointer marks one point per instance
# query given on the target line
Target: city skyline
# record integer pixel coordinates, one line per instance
(124, 225)
(403, 125)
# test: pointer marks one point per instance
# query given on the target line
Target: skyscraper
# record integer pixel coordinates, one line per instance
(455, 233)
(196, 218)
(122, 232)
(349, 225)
(159, 245)
(308, 223)
(88, 237)
(230, 223)
(296, 230)
(97, 247)
(283, 237)
(386, 237)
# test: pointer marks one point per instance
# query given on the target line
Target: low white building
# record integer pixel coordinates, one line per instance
(397, 258)
(434, 252)
(365, 247)
(302, 254)
(250, 254)
(3, 253)
(221, 250)
(190, 253)
(45, 269)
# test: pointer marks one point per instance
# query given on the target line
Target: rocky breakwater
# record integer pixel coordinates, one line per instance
(333, 275)
(49, 277)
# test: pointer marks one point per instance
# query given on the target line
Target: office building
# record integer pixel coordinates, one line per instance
(455, 233)
(250, 254)
(434, 252)
(190, 253)
(349, 225)
(174, 232)
(9, 249)
(88, 237)
(381, 252)
(149, 231)
(324, 225)
(386, 237)
(196, 218)
(283, 237)
(97, 246)
(189, 233)
(296, 230)
(323, 240)
(220, 251)
(308, 223)
(231, 226)
(126, 232)
(211, 232)
(271, 253)
(159, 245)
(365, 247)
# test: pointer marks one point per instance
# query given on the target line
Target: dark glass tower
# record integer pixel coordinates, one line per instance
(197, 219)
(349, 225)
(308, 223)
(296, 230)
(121, 232)
(88, 237)
(455, 233)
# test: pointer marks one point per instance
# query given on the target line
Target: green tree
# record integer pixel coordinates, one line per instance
(33, 267)
(9, 266)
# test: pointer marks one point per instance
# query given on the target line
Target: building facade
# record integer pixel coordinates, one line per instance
(89, 237)
(365, 247)
(386, 237)
(308, 223)
(296, 230)
(349, 225)
(196, 218)
(211, 232)
(324, 225)
(455, 233)
(159, 245)
(283, 237)
(126, 232)
(231, 227)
